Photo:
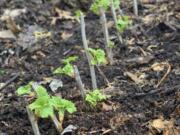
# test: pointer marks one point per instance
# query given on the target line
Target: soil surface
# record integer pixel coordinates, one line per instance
(140, 103)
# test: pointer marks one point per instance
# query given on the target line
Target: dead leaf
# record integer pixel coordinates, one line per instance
(62, 14)
(138, 78)
(66, 35)
(158, 66)
(110, 24)
(7, 34)
(106, 107)
(119, 119)
(166, 127)
(12, 13)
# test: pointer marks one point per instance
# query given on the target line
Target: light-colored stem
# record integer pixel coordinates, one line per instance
(92, 70)
(115, 21)
(79, 82)
(106, 36)
(57, 124)
(33, 121)
(135, 5)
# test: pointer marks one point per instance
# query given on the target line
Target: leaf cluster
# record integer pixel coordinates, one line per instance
(95, 96)
(100, 3)
(122, 23)
(68, 67)
(45, 105)
(98, 56)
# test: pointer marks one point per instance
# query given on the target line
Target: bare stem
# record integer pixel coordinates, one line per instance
(92, 70)
(115, 21)
(79, 82)
(103, 75)
(33, 121)
(57, 124)
(135, 5)
(106, 36)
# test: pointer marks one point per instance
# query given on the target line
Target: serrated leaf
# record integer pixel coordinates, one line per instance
(41, 91)
(42, 107)
(63, 105)
(98, 56)
(95, 96)
(24, 90)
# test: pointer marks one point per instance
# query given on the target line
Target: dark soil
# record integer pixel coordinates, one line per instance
(135, 106)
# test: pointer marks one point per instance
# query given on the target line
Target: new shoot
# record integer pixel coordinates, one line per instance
(94, 97)
(68, 67)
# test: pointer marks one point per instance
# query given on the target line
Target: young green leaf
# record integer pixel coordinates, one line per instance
(42, 107)
(67, 70)
(78, 15)
(122, 23)
(95, 96)
(116, 3)
(41, 91)
(99, 3)
(24, 90)
(98, 56)
(62, 105)
(70, 59)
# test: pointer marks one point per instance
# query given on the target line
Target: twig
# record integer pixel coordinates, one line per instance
(103, 75)
(33, 121)
(154, 91)
(115, 21)
(57, 124)
(92, 70)
(10, 81)
(79, 82)
(135, 5)
(165, 75)
(106, 36)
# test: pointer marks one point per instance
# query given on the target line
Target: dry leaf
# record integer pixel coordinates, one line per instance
(166, 127)
(158, 66)
(158, 124)
(138, 79)
(64, 14)
(106, 107)
(12, 13)
(148, 19)
(66, 35)
(119, 119)
(7, 34)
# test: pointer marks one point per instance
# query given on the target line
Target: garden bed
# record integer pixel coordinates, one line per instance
(137, 100)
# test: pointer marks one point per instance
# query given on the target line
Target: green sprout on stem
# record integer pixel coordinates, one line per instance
(98, 56)
(45, 106)
(99, 3)
(116, 3)
(95, 96)
(68, 68)
(123, 23)
(78, 15)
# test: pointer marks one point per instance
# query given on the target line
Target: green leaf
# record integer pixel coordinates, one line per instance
(116, 3)
(99, 3)
(95, 96)
(78, 15)
(67, 70)
(41, 91)
(42, 107)
(63, 105)
(24, 90)
(122, 23)
(70, 59)
(98, 56)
